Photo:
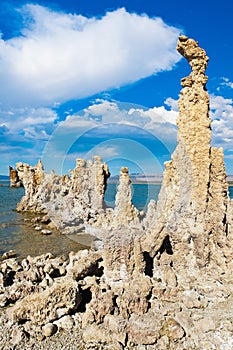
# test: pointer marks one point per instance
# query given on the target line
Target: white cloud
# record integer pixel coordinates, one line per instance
(31, 132)
(173, 104)
(64, 56)
(161, 115)
(222, 121)
(115, 123)
(157, 120)
(227, 82)
(20, 119)
(106, 152)
(77, 121)
(101, 107)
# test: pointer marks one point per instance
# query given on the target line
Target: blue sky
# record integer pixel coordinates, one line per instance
(80, 78)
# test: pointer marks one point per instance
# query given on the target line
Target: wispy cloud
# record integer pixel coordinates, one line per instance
(226, 82)
(16, 119)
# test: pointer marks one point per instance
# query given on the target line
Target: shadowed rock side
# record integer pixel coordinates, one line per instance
(162, 281)
(14, 178)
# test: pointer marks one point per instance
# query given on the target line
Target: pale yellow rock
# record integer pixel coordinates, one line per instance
(65, 322)
(49, 329)
(133, 296)
(144, 329)
(192, 204)
(96, 333)
(46, 306)
(14, 178)
(124, 211)
(122, 255)
(206, 324)
(172, 329)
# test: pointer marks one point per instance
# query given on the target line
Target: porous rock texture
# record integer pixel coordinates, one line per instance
(124, 207)
(68, 201)
(193, 202)
(162, 281)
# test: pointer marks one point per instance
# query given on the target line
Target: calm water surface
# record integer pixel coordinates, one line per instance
(142, 194)
(16, 231)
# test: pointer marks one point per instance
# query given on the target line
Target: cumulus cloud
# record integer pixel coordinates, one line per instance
(157, 120)
(67, 56)
(222, 121)
(113, 129)
(158, 115)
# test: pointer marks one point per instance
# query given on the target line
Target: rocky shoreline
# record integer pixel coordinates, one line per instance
(155, 280)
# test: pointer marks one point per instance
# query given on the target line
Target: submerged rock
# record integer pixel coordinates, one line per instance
(8, 255)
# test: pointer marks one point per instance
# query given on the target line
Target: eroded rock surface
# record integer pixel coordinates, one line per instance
(124, 210)
(162, 281)
(193, 201)
(68, 201)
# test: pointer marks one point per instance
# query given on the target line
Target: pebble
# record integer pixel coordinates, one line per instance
(66, 322)
(17, 336)
(49, 329)
(46, 232)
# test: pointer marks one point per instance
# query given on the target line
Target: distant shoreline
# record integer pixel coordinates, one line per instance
(149, 179)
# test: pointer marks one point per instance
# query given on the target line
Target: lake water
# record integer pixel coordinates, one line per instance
(142, 194)
(17, 233)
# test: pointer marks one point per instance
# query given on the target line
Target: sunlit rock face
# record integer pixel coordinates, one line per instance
(193, 217)
(69, 201)
(159, 281)
(192, 204)
(124, 209)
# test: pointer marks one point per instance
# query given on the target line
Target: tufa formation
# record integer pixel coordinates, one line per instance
(160, 280)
